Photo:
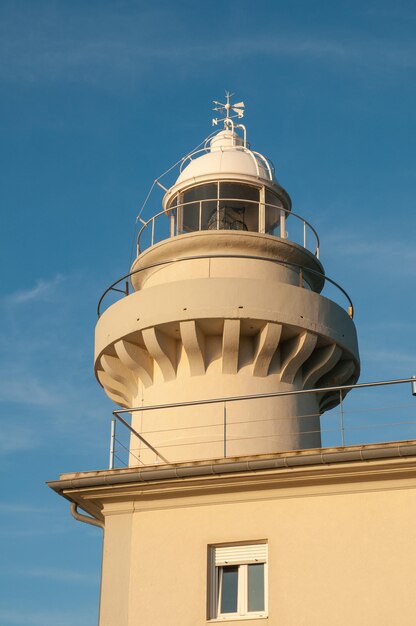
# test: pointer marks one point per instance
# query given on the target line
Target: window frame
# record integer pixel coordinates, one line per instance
(181, 219)
(266, 196)
(242, 563)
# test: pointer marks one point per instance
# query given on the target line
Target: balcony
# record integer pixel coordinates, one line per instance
(238, 214)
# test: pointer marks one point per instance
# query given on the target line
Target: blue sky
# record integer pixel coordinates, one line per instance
(99, 98)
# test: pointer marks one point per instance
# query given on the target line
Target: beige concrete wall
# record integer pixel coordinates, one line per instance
(252, 248)
(212, 431)
(338, 553)
(115, 582)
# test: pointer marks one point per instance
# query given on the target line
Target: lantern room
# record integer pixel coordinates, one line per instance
(227, 186)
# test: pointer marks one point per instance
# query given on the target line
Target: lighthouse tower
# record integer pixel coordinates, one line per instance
(223, 356)
(227, 303)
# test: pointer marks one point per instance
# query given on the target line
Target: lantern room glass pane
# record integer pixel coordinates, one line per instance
(238, 207)
(201, 192)
(237, 191)
(198, 204)
(272, 220)
(256, 587)
(229, 590)
(173, 202)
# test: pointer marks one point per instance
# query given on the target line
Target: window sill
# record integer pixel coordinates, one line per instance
(236, 618)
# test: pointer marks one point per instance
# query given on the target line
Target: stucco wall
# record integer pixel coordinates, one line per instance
(339, 552)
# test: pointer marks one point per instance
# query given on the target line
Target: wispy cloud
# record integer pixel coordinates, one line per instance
(42, 290)
(28, 617)
(25, 521)
(360, 247)
(46, 379)
(22, 387)
(40, 531)
(386, 254)
(51, 573)
(92, 61)
(67, 46)
(392, 357)
(389, 11)
(23, 509)
(15, 438)
(366, 52)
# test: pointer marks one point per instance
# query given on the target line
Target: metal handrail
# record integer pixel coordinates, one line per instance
(270, 394)
(337, 390)
(280, 209)
(301, 268)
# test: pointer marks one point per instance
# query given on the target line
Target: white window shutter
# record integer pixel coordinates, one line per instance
(241, 554)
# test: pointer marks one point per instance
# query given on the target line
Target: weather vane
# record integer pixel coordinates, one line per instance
(227, 109)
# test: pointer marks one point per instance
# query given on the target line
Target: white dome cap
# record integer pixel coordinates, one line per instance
(225, 157)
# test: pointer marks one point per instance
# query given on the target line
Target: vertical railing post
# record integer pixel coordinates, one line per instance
(179, 218)
(172, 222)
(200, 215)
(112, 441)
(225, 429)
(304, 234)
(262, 211)
(341, 409)
(282, 224)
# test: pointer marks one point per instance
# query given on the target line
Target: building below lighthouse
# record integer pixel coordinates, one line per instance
(222, 359)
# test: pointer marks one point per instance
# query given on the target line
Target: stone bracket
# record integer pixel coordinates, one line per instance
(137, 359)
(194, 344)
(320, 363)
(163, 350)
(295, 352)
(267, 344)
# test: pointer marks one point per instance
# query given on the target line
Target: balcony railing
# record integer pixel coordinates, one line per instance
(227, 214)
(360, 420)
(122, 285)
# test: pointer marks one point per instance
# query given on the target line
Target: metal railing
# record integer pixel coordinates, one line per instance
(122, 284)
(267, 163)
(339, 427)
(172, 223)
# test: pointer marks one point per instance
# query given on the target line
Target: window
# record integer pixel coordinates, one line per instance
(238, 207)
(219, 206)
(238, 581)
(198, 204)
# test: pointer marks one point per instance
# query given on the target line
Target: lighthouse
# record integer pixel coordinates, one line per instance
(221, 354)
(227, 302)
